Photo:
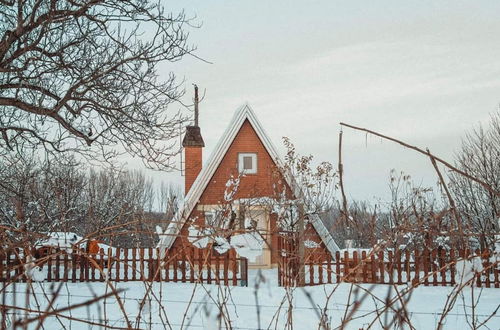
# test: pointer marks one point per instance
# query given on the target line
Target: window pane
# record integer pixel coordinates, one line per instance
(247, 163)
(209, 219)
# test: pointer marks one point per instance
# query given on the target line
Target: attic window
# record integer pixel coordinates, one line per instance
(247, 163)
(210, 219)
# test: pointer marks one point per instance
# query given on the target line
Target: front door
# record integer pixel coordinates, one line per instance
(261, 220)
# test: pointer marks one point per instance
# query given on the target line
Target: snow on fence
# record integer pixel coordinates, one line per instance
(430, 268)
(136, 264)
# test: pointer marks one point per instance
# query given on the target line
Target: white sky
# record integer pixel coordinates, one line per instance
(421, 71)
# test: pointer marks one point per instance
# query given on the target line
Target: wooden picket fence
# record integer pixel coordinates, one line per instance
(187, 265)
(418, 267)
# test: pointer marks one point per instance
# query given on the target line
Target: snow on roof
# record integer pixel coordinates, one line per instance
(245, 112)
(61, 239)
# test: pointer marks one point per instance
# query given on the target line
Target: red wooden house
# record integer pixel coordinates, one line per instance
(245, 149)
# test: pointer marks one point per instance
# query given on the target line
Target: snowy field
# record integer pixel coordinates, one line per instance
(260, 305)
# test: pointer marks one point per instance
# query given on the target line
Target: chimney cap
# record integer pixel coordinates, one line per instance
(193, 137)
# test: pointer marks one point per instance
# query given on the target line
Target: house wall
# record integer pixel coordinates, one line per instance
(251, 185)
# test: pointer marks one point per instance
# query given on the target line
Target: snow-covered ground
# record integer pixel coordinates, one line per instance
(260, 305)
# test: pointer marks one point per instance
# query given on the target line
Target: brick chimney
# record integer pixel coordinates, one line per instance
(193, 144)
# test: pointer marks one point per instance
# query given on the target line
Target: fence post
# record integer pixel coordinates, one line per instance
(101, 264)
(65, 267)
(434, 267)
(329, 268)
(442, 266)
(391, 267)
(416, 279)
(226, 270)
(346, 267)
(381, 266)
(168, 254)
(158, 265)
(372, 268)
(486, 257)
(174, 260)
(73, 265)
(118, 262)
(364, 263)
(426, 266)
(407, 266)
(151, 265)
(246, 271)
(235, 268)
(183, 265)
(125, 265)
(141, 264)
(2, 268)
(399, 266)
(479, 281)
(337, 266)
(134, 264)
(92, 257)
(356, 264)
(58, 266)
(495, 275)
(452, 266)
(311, 272)
(320, 269)
(82, 265)
(209, 267)
(49, 264)
(200, 253)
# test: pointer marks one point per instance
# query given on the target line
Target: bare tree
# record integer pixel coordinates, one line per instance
(41, 196)
(479, 156)
(82, 76)
(38, 196)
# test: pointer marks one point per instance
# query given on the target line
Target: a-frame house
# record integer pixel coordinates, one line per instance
(243, 148)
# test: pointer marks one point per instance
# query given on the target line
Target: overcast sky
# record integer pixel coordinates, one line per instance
(421, 71)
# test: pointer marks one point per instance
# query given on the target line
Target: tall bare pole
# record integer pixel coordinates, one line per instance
(196, 101)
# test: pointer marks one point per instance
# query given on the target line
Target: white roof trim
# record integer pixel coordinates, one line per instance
(192, 198)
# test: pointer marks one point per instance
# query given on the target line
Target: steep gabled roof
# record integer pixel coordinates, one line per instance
(245, 112)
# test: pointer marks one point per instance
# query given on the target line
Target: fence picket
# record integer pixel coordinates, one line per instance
(65, 267)
(125, 265)
(49, 264)
(417, 262)
(226, 270)
(191, 265)
(487, 267)
(479, 282)
(399, 266)
(426, 267)
(141, 264)
(101, 264)
(320, 269)
(200, 265)
(134, 264)
(236, 266)
(337, 266)
(73, 265)
(452, 266)
(381, 267)
(209, 266)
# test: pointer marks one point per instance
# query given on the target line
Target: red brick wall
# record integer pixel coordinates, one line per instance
(193, 163)
(251, 185)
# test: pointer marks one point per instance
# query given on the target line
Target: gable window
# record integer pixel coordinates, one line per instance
(210, 219)
(247, 163)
